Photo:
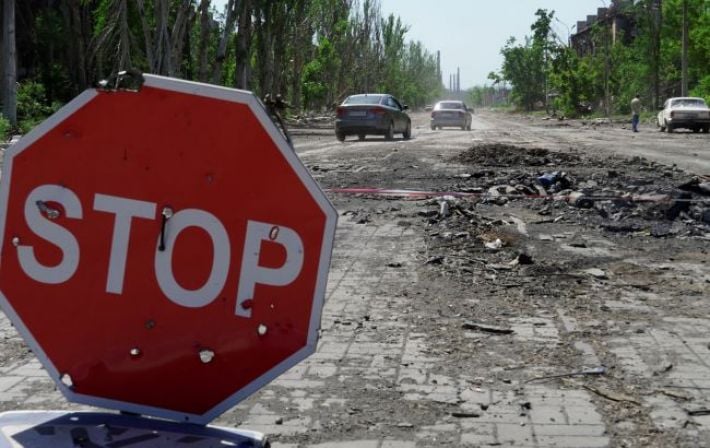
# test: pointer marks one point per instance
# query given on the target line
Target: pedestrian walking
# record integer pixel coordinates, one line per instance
(635, 113)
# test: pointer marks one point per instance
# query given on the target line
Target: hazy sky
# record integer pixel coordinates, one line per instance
(470, 33)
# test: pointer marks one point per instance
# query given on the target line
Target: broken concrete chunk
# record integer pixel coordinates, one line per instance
(596, 273)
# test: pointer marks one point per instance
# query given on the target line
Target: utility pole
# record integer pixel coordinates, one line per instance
(684, 86)
(657, 10)
(458, 80)
(438, 66)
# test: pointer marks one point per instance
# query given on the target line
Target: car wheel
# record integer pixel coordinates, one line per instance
(670, 128)
(433, 128)
(340, 136)
(390, 132)
(361, 137)
(696, 130)
(706, 129)
(408, 132)
(468, 128)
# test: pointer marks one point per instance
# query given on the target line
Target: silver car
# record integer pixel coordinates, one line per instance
(688, 113)
(451, 114)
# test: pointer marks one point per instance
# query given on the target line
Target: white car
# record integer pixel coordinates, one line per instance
(688, 113)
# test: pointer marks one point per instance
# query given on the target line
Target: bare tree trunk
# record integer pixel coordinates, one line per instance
(147, 36)
(205, 28)
(124, 60)
(77, 46)
(184, 16)
(162, 44)
(684, 61)
(301, 41)
(231, 13)
(265, 55)
(244, 34)
(9, 62)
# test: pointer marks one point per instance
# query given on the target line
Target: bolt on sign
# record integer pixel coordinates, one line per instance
(163, 251)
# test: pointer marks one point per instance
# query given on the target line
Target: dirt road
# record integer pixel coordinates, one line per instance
(522, 314)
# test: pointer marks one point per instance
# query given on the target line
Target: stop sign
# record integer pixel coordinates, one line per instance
(164, 251)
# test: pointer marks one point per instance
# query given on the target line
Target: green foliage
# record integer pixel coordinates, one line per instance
(314, 89)
(615, 70)
(32, 102)
(5, 128)
(313, 52)
(527, 65)
(32, 105)
(703, 89)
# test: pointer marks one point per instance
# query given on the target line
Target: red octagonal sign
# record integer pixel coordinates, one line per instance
(163, 251)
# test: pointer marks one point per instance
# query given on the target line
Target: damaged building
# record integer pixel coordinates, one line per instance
(617, 19)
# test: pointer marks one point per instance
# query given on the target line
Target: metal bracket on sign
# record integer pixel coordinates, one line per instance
(130, 80)
(274, 106)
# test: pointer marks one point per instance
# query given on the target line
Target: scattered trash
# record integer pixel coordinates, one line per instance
(435, 260)
(696, 186)
(597, 371)
(681, 204)
(548, 179)
(676, 395)
(486, 328)
(612, 396)
(580, 200)
(462, 414)
(522, 259)
(494, 245)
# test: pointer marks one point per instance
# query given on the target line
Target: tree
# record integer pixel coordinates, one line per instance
(9, 60)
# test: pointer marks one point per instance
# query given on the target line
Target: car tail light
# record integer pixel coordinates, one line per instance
(377, 111)
(433, 115)
(340, 112)
(673, 114)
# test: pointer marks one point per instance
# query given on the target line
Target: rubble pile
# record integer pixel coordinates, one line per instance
(483, 234)
(312, 121)
(616, 194)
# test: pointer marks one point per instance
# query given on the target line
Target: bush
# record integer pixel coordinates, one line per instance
(32, 102)
(703, 89)
(4, 128)
(27, 125)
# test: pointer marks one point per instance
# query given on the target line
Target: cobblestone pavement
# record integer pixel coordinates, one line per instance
(380, 379)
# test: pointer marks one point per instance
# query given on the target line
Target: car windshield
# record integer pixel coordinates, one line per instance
(363, 99)
(449, 105)
(689, 102)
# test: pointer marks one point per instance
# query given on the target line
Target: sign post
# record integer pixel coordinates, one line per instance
(163, 251)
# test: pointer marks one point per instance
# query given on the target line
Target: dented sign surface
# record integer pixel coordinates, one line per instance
(163, 251)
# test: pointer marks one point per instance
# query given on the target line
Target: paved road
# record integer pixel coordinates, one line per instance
(685, 149)
(381, 378)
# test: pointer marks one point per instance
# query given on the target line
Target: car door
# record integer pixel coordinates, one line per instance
(400, 123)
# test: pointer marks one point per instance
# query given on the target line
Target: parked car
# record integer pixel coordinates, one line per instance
(451, 114)
(688, 113)
(372, 114)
